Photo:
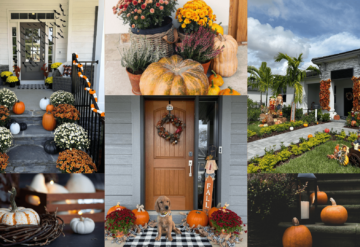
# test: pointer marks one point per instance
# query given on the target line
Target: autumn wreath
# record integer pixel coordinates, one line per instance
(325, 94)
(162, 132)
(356, 93)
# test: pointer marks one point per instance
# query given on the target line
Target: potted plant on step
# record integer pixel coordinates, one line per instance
(4, 158)
(4, 75)
(137, 58)
(7, 98)
(17, 70)
(12, 80)
(4, 115)
(45, 70)
(83, 162)
(54, 66)
(71, 135)
(200, 46)
(65, 113)
(226, 222)
(49, 82)
(119, 222)
(6, 139)
(61, 97)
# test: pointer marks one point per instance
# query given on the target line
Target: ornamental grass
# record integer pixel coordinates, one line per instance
(4, 115)
(75, 161)
(65, 113)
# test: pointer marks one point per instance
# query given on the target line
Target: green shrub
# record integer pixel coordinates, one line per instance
(250, 133)
(326, 117)
(342, 135)
(253, 112)
(287, 112)
(352, 137)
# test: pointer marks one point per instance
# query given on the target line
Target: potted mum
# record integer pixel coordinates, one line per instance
(3, 162)
(4, 115)
(6, 139)
(199, 46)
(54, 66)
(75, 161)
(4, 75)
(119, 222)
(7, 98)
(17, 70)
(226, 222)
(62, 97)
(137, 58)
(71, 135)
(12, 80)
(65, 113)
(49, 82)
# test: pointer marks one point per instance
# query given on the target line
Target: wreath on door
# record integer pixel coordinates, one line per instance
(173, 138)
(349, 96)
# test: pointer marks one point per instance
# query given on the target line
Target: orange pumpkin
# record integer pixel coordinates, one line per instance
(213, 210)
(226, 63)
(229, 91)
(19, 107)
(297, 235)
(334, 214)
(48, 121)
(322, 197)
(278, 122)
(114, 208)
(213, 89)
(305, 125)
(310, 135)
(49, 108)
(174, 76)
(353, 123)
(218, 80)
(196, 217)
(142, 216)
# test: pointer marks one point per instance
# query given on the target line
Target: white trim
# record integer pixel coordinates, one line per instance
(32, 82)
(69, 21)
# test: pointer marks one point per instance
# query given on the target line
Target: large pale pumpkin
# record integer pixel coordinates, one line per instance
(226, 63)
(174, 76)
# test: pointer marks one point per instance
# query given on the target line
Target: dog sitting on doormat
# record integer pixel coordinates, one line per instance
(165, 223)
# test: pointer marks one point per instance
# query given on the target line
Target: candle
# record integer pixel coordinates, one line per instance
(80, 213)
(304, 210)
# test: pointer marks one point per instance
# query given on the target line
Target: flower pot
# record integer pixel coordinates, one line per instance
(167, 24)
(49, 86)
(134, 80)
(18, 83)
(12, 84)
(120, 234)
(206, 66)
(3, 79)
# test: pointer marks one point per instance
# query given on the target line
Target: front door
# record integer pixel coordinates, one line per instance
(348, 100)
(32, 42)
(167, 170)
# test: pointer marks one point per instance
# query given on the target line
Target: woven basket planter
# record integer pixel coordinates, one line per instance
(61, 83)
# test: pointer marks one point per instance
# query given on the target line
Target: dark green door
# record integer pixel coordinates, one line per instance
(348, 100)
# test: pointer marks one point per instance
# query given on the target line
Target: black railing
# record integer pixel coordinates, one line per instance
(91, 121)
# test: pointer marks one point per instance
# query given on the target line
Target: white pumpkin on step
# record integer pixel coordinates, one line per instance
(79, 183)
(15, 128)
(37, 184)
(44, 102)
(82, 225)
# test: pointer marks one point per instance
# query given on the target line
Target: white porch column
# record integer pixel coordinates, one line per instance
(304, 104)
(332, 100)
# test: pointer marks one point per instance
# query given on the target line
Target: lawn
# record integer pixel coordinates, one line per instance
(255, 127)
(316, 161)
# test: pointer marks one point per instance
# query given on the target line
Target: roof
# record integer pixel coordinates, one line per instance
(335, 57)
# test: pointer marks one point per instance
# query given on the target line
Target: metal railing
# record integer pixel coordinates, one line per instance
(91, 121)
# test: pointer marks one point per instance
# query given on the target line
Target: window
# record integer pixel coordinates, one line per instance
(51, 47)
(14, 46)
(32, 16)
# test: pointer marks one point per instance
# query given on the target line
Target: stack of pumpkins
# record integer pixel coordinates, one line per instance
(15, 127)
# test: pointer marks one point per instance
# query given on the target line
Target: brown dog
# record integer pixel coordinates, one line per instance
(165, 222)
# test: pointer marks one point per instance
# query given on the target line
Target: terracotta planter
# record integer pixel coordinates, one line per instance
(119, 234)
(134, 80)
(206, 66)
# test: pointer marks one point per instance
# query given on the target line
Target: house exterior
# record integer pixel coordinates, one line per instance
(340, 68)
(32, 34)
(140, 165)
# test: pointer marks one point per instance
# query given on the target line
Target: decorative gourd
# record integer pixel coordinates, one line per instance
(322, 197)
(82, 225)
(196, 217)
(174, 76)
(19, 107)
(229, 91)
(213, 89)
(79, 183)
(297, 235)
(15, 128)
(219, 29)
(142, 217)
(353, 123)
(114, 208)
(43, 103)
(50, 147)
(18, 215)
(37, 184)
(218, 80)
(226, 63)
(212, 210)
(334, 214)
(49, 108)
(48, 121)
(310, 135)
(23, 126)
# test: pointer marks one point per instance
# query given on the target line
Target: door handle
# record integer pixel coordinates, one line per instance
(190, 165)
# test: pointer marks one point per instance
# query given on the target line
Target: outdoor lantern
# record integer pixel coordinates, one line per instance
(307, 205)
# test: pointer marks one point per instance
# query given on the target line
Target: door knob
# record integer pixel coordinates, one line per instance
(190, 165)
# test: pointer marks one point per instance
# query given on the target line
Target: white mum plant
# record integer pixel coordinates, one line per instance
(71, 135)
(62, 97)
(6, 139)
(7, 98)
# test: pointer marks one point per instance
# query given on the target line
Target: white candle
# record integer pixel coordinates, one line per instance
(304, 210)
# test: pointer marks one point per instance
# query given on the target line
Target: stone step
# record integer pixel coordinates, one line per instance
(345, 197)
(331, 236)
(336, 176)
(340, 184)
(34, 134)
(177, 217)
(28, 117)
(353, 212)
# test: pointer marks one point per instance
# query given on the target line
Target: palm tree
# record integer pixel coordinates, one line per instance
(294, 75)
(261, 79)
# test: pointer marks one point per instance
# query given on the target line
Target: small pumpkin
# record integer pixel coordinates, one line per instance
(297, 235)
(218, 80)
(327, 130)
(114, 208)
(8, 124)
(19, 107)
(310, 135)
(212, 210)
(213, 89)
(50, 147)
(226, 63)
(277, 122)
(142, 216)
(322, 197)
(15, 128)
(334, 214)
(23, 126)
(44, 102)
(353, 123)
(306, 125)
(49, 108)
(219, 29)
(18, 215)
(82, 225)
(48, 121)
(229, 91)
(197, 217)
(174, 76)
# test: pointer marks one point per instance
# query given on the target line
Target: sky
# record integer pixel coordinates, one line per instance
(315, 28)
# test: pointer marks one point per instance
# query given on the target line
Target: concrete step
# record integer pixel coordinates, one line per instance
(28, 117)
(345, 197)
(337, 176)
(34, 134)
(177, 217)
(339, 184)
(332, 236)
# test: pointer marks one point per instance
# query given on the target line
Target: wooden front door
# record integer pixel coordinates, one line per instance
(167, 170)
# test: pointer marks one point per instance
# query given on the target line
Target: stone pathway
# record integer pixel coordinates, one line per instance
(257, 147)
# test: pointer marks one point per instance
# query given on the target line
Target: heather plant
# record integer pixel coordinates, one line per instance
(199, 46)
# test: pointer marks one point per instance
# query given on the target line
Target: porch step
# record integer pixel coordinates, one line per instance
(353, 213)
(34, 134)
(340, 184)
(177, 217)
(28, 117)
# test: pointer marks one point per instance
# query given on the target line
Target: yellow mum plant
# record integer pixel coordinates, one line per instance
(12, 79)
(49, 80)
(193, 14)
(55, 65)
(6, 73)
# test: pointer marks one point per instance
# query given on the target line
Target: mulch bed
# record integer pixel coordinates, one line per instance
(352, 127)
(256, 137)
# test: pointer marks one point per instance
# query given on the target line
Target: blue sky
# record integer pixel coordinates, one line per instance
(314, 28)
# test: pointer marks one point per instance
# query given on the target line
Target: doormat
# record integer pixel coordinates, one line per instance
(147, 238)
(32, 86)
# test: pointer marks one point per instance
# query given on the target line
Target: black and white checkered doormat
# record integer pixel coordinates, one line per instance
(147, 238)
(32, 86)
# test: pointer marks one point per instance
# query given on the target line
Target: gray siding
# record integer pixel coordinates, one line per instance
(122, 145)
(234, 156)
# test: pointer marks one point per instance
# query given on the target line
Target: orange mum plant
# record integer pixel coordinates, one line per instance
(325, 94)
(4, 115)
(356, 93)
(3, 162)
(65, 113)
(75, 161)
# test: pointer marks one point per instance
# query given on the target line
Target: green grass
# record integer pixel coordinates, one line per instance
(254, 127)
(316, 161)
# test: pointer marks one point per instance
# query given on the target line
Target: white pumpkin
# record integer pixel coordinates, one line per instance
(44, 102)
(291, 128)
(15, 128)
(82, 225)
(55, 188)
(79, 183)
(18, 215)
(37, 184)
